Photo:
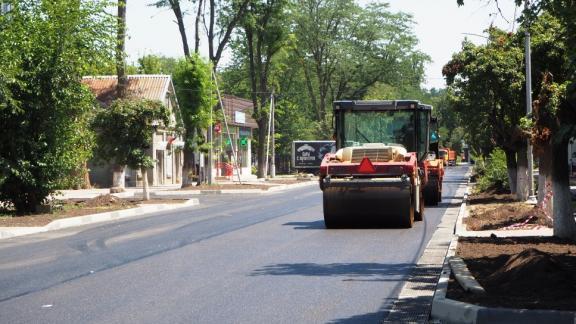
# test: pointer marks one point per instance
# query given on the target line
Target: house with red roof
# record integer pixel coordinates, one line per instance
(166, 146)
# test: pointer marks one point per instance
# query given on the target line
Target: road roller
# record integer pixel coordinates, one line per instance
(377, 174)
(435, 165)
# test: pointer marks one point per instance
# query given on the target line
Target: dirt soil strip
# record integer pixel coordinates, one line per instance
(493, 211)
(522, 272)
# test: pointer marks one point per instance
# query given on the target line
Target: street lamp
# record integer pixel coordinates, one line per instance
(529, 100)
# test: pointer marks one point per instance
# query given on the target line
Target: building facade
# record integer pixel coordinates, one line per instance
(238, 138)
(166, 146)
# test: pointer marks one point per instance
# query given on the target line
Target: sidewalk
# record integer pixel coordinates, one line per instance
(164, 192)
(174, 192)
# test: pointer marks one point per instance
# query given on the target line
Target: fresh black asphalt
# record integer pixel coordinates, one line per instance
(233, 259)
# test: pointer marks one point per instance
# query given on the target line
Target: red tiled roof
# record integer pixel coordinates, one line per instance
(140, 86)
(232, 104)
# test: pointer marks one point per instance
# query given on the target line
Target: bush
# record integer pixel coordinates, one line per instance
(492, 173)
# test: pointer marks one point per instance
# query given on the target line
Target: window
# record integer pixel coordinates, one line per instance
(423, 136)
(385, 126)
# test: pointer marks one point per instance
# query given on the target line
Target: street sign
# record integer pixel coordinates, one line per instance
(243, 141)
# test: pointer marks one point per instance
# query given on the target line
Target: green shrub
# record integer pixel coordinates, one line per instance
(492, 174)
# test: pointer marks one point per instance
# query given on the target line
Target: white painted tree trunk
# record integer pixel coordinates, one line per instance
(522, 175)
(145, 192)
(564, 224)
(188, 168)
(512, 174)
(118, 176)
(512, 169)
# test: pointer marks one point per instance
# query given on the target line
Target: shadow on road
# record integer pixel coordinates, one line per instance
(350, 271)
(307, 225)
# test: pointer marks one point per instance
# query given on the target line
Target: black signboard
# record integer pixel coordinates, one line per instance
(309, 154)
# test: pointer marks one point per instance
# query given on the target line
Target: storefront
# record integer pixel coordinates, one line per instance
(235, 141)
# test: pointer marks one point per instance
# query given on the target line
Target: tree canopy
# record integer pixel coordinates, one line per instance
(45, 49)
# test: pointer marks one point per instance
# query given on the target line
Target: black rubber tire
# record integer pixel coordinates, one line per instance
(419, 215)
(439, 195)
(331, 224)
(407, 221)
(432, 193)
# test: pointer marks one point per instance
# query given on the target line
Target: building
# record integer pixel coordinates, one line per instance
(241, 126)
(166, 146)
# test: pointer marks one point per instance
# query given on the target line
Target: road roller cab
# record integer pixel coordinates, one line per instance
(380, 168)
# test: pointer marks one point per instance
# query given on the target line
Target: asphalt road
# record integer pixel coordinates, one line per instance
(233, 259)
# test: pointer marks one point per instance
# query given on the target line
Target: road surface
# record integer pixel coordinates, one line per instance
(233, 259)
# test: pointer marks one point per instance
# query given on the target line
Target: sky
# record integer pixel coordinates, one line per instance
(440, 26)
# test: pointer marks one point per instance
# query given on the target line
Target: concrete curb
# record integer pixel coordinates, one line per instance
(464, 277)
(420, 288)
(452, 311)
(8, 232)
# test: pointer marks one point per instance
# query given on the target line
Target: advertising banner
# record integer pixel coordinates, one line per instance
(309, 154)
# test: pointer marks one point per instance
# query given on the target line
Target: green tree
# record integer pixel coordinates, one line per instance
(124, 133)
(156, 64)
(555, 121)
(45, 48)
(265, 33)
(485, 86)
(344, 49)
(195, 92)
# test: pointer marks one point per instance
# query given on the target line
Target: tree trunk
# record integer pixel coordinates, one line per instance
(86, 183)
(188, 167)
(564, 224)
(118, 175)
(122, 84)
(522, 175)
(197, 28)
(145, 192)
(544, 171)
(175, 4)
(512, 169)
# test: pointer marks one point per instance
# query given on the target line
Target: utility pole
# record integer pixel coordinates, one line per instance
(266, 165)
(210, 140)
(529, 100)
(273, 150)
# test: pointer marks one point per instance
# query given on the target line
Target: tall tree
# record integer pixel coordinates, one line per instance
(121, 50)
(45, 48)
(558, 100)
(344, 49)
(264, 36)
(118, 181)
(487, 84)
(223, 18)
(194, 88)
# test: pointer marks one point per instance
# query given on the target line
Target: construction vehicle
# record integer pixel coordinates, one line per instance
(452, 157)
(443, 154)
(433, 188)
(380, 168)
